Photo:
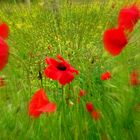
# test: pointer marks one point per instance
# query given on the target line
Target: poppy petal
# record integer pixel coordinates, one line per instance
(106, 76)
(34, 112)
(51, 61)
(128, 17)
(89, 106)
(60, 70)
(114, 41)
(73, 70)
(4, 53)
(50, 107)
(38, 100)
(134, 78)
(66, 77)
(4, 30)
(82, 93)
(60, 58)
(95, 115)
(52, 72)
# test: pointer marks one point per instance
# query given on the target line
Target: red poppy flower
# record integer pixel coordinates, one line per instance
(95, 115)
(128, 17)
(60, 70)
(114, 41)
(40, 104)
(82, 93)
(4, 30)
(134, 78)
(106, 75)
(89, 106)
(4, 53)
(2, 82)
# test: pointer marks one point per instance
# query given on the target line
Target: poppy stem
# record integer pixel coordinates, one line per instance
(63, 99)
(62, 92)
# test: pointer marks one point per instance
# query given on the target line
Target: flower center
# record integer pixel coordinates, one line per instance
(61, 67)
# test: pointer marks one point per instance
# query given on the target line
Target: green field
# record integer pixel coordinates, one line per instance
(76, 32)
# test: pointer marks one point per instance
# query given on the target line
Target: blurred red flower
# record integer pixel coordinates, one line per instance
(95, 115)
(60, 70)
(106, 76)
(4, 30)
(128, 17)
(134, 78)
(89, 107)
(4, 53)
(82, 93)
(40, 104)
(114, 41)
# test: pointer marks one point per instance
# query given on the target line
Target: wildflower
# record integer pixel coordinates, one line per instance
(4, 53)
(82, 93)
(40, 104)
(95, 115)
(4, 30)
(114, 41)
(106, 76)
(134, 78)
(128, 17)
(60, 70)
(89, 107)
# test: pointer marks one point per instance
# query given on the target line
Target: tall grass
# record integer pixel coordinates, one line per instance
(74, 31)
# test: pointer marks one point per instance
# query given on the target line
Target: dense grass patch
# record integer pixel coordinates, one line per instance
(74, 31)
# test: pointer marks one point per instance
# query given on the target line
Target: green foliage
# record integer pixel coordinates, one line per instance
(74, 31)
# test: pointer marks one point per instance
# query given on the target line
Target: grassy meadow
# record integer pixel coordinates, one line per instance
(76, 32)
